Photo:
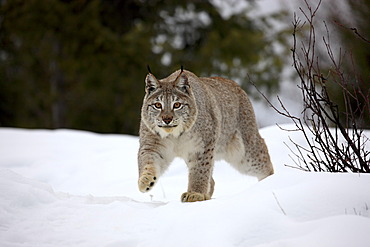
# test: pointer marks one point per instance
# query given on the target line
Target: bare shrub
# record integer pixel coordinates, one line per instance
(333, 145)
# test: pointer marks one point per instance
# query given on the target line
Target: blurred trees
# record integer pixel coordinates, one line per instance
(81, 64)
(353, 29)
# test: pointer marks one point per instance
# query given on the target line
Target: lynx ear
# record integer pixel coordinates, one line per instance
(182, 82)
(151, 83)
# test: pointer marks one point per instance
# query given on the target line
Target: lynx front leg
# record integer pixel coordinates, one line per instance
(152, 163)
(147, 178)
(201, 183)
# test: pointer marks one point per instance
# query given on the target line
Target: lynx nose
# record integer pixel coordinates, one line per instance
(167, 119)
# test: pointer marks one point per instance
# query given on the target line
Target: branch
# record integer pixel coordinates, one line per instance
(354, 30)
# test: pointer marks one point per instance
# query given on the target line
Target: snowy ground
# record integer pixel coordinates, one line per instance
(74, 188)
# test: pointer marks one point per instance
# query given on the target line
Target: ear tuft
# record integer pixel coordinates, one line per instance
(182, 82)
(151, 83)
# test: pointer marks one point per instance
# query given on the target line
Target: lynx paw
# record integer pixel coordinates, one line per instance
(147, 180)
(194, 197)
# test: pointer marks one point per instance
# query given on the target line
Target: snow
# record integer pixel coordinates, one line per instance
(76, 188)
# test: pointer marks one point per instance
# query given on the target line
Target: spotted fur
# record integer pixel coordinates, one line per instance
(200, 120)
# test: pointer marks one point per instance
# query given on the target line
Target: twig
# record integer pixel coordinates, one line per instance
(354, 30)
(278, 203)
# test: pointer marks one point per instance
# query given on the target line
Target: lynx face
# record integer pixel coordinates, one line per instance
(169, 107)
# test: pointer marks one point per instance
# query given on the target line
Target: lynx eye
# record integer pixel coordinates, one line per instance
(177, 105)
(158, 105)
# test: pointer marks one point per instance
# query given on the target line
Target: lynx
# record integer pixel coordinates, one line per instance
(199, 120)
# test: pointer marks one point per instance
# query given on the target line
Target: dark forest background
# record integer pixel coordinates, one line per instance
(81, 64)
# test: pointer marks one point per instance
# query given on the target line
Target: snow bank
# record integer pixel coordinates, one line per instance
(74, 188)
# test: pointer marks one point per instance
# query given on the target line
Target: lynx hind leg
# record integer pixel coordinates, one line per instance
(263, 162)
(264, 171)
(259, 161)
(254, 166)
(252, 160)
